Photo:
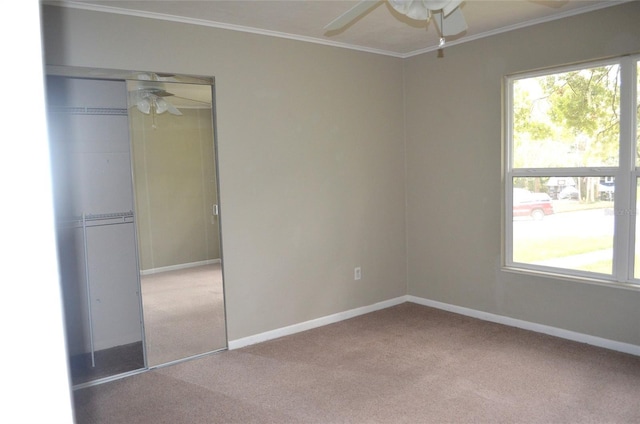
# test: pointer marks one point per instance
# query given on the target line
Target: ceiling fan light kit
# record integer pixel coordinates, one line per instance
(144, 106)
(451, 20)
(414, 9)
(420, 10)
(150, 101)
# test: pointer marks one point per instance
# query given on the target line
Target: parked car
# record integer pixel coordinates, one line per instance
(527, 203)
(569, 192)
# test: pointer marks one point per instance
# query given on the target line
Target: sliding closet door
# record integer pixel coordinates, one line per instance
(174, 168)
(93, 196)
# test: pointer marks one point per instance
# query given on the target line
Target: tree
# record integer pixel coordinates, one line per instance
(585, 107)
(568, 119)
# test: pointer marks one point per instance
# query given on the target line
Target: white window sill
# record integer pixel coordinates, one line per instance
(634, 286)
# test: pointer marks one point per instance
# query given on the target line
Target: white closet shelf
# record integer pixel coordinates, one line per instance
(98, 219)
(80, 110)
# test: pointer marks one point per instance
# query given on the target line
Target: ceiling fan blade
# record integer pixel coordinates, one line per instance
(351, 14)
(161, 93)
(173, 110)
(154, 76)
(453, 24)
(450, 7)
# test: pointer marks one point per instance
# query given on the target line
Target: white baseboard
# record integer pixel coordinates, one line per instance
(531, 326)
(315, 323)
(485, 316)
(179, 266)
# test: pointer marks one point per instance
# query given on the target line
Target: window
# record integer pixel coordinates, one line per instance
(571, 171)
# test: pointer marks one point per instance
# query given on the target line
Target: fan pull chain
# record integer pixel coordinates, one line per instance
(442, 40)
(153, 115)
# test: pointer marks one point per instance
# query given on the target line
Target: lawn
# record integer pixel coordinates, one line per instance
(538, 250)
(560, 206)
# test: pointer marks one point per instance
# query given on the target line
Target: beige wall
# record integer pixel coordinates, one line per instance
(312, 165)
(175, 187)
(454, 135)
(311, 155)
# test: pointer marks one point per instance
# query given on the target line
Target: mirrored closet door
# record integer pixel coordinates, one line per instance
(96, 236)
(135, 187)
(178, 220)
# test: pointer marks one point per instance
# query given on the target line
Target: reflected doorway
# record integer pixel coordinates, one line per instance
(175, 184)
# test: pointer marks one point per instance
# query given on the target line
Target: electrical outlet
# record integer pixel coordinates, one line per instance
(357, 273)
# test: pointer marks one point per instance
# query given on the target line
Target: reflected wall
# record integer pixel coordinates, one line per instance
(175, 188)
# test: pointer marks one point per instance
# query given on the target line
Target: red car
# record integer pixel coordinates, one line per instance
(527, 203)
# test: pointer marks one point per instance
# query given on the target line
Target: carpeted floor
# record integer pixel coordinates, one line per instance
(183, 313)
(107, 363)
(405, 364)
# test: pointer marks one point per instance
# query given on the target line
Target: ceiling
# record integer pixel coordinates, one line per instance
(381, 30)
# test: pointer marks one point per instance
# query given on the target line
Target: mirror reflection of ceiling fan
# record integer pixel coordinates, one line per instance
(446, 13)
(152, 100)
(155, 76)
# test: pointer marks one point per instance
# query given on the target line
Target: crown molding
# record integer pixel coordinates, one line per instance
(567, 14)
(214, 24)
(240, 28)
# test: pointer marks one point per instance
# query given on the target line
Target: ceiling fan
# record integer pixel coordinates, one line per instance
(448, 16)
(155, 76)
(152, 100)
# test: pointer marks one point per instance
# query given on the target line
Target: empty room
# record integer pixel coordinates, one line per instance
(400, 218)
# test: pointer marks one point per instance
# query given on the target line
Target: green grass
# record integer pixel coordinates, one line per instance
(560, 206)
(603, 267)
(553, 248)
(541, 250)
(606, 267)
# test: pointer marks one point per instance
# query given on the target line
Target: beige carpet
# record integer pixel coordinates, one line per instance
(183, 313)
(405, 364)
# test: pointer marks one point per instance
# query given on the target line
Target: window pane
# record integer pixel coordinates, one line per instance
(568, 119)
(638, 113)
(636, 252)
(564, 222)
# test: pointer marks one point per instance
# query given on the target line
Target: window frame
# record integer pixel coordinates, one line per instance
(626, 175)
